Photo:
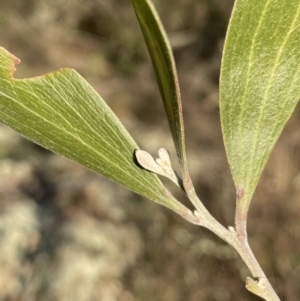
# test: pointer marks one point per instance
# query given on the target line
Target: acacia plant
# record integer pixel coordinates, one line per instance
(259, 89)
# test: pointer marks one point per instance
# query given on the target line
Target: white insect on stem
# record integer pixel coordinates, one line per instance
(161, 165)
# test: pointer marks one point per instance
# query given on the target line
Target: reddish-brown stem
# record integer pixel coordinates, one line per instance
(241, 212)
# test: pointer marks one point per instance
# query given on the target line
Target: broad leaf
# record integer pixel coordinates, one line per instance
(61, 112)
(260, 84)
(164, 66)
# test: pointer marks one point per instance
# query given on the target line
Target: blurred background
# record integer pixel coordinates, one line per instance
(67, 233)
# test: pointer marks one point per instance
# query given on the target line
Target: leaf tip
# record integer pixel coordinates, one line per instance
(9, 62)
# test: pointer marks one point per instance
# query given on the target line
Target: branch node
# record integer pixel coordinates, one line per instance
(190, 217)
(232, 230)
(197, 214)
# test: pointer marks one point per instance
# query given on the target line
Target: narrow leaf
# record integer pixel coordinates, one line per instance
(61, 112)
(164, 66)
(259, 85)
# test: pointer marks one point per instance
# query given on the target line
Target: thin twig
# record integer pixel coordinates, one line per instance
(234, 236)
(239, 242)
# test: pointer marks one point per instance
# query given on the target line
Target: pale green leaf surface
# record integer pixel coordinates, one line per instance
(164, 66)
(260, 83)
(61, 112)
